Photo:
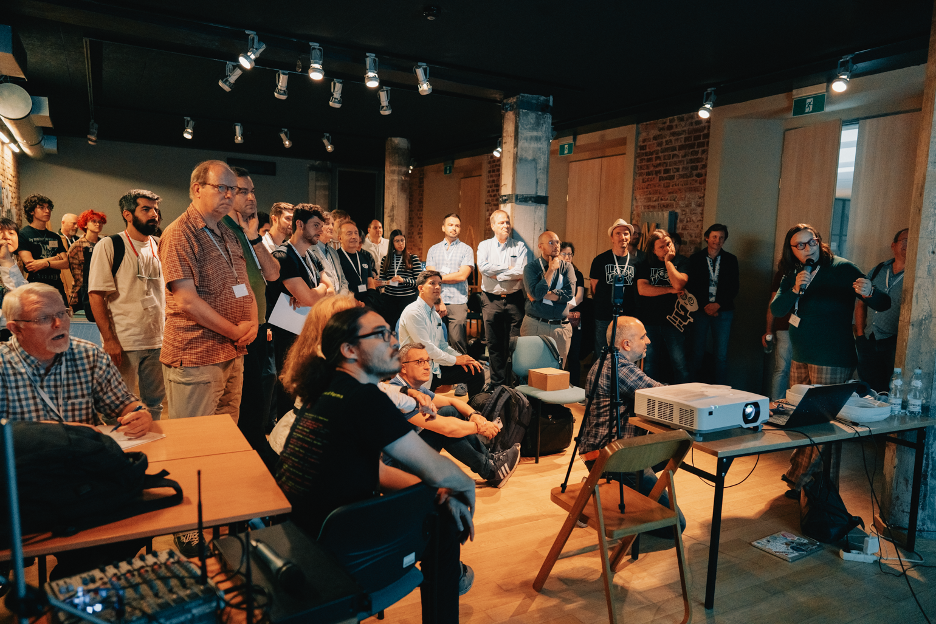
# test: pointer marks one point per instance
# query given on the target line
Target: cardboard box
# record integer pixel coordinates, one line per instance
(549, 379)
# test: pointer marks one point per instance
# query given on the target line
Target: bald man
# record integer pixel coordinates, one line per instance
(69, 228)
(375, 243)
(549, 283)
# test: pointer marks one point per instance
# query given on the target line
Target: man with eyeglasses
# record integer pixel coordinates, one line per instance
(549, 283)
(876, 332)
(421, 323)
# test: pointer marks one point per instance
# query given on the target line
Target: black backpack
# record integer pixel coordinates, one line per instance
(72, 478)
(119, 250)
(556, 426)
(515, 414)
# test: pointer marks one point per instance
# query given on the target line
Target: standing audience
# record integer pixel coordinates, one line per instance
(574, 360)
(69, 228)
(42, 252)
(401, 269)
(281, 215)
(357, 265)
(617, 261)
(550, 285)
(79, 256)
(11, 275)
(375, 243)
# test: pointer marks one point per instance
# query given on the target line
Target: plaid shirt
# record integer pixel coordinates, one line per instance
(450, 258)
(76, 265)
(630, 379)
(82, 382)
(187, 251)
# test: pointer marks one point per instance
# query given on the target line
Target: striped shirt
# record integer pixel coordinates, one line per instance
(449, 258)
(394, 265)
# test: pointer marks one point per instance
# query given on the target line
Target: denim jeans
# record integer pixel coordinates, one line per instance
(666, 340)
(783, 356)
(721, 329)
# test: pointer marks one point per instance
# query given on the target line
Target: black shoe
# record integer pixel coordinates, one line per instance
(187, 543)
(792, 494)
(505, 463)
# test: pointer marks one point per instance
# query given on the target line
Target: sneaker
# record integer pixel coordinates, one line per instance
(466, 580)
(505, 463)
(461, 390)
(187, 544)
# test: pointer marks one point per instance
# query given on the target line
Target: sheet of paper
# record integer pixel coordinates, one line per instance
(285, 317)
(121, 438)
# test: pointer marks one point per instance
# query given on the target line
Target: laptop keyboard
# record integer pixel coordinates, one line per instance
(779, 419)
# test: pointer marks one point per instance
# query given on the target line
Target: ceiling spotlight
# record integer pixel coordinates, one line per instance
(370, 75)
(422, 78)
(385, 101)
(4, 137)
(708, 100)
(189, 131)
(431, 13)
(233, 73)
(14, 147)
(335, 100)
(499, 149)
(326, 139)
(284, 134)
(238, 133)
(843, 74)
(280, 91)
(316, 71)
(92, 133)
(254, 49)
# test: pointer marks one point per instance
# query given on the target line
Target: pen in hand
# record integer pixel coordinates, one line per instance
(136, 409)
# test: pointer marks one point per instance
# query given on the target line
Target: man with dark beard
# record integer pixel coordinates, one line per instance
(126, 290)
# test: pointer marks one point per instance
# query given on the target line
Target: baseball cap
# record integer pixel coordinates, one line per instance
(619, 223)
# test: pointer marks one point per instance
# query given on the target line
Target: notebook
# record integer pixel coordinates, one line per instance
(819, 405)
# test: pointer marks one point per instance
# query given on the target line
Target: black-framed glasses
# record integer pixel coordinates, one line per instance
(224, 189)
(422, 362)
(384, 332)
(47, 319)
(812, 242)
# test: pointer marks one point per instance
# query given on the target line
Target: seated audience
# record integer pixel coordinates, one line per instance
(401, 268)
(42, 252)
(332, 456)
(79, 256)
(549, 283)
(421, 323)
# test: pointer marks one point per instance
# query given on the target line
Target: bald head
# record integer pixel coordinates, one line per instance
(549, 245)
(69, 224)
(631, 338)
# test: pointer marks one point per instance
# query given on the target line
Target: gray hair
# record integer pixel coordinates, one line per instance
(405, 349)
(200, 173)
(13, 300)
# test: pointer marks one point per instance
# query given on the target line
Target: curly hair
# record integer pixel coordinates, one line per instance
(91, 215)
(788, 262)
(34, 201)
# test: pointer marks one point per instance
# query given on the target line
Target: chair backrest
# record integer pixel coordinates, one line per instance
(533, 352)
(380, 539)
(633, 454)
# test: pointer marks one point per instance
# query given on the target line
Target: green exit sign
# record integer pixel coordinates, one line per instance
(447, 169)
(565, 149)
(809, 104)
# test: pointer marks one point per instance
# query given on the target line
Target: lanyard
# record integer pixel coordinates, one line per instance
(803, 292)
(626, 263)
(153, 246)
(327, 256)
(887, 284)
(312, 276)
(357, 256)
(713, 275)
(42, 393)
(229, 261)
(397, 263)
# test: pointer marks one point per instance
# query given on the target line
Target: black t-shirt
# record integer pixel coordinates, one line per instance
(291, 265)
(332, 454)
(42, 244)
(654, 310)
(603, 268)
(357, 267)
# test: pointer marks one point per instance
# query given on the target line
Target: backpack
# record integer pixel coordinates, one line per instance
(556, 425)
(72, 478)
(515, 414)
(823, 515)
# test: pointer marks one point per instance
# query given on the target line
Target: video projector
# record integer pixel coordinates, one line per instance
(702, 408)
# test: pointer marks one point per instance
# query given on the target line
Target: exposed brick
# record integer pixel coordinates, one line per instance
(415, 235)
(9, 178)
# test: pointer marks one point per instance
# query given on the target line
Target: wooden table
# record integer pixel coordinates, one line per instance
(728, 445)
(201, 436)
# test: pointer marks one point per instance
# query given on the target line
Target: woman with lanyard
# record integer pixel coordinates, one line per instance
(820, 289)
(399, 272)
(573, 362)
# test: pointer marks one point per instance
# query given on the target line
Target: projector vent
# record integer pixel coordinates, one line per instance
(685, 417)
(660, 409)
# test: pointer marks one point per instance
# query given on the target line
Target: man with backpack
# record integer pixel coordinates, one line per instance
(126, 291)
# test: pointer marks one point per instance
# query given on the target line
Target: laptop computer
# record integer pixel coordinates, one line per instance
(820, 404)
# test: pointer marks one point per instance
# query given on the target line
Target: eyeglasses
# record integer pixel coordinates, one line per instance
(384, 332)
(812, 242)
(224, 189)
(422, 362)
(47, 319)
(566, 254)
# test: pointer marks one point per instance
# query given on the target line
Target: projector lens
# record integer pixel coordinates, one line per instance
(751, 413)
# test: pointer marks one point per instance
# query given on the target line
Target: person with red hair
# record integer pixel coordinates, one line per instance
(91, 223)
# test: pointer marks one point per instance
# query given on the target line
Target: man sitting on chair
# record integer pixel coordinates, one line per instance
(458, 427)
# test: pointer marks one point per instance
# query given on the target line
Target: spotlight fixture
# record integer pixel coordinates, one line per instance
(284, 134)
(254, 48)
(422, 78)
(335, 100)
(370, 75)
(233, 73)
(238, 133)
(280, 92)
(14, 147)
(4, 137)
(842, 74)
(431, 13)
(499, 149)
(92, 133)
(326, 139)
(385, 101)
(189, 131)
(316, 56)
(708, 100)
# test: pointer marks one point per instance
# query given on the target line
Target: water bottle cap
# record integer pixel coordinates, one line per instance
(898, 370)
(917, 370)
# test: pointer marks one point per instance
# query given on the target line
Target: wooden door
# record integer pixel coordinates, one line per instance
(469, 207)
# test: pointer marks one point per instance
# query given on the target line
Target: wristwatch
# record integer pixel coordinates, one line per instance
(254, 242)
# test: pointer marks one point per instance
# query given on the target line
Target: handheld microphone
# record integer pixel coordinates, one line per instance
(809, 266)
(286, 573)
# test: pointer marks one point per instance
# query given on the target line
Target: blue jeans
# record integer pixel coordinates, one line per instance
(783, 356)
(666, 340)
(469, 450)
(721, 330)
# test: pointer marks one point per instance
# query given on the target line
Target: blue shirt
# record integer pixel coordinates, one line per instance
(534, 283)
(421, 323)
(449, 258)
(501, 265)
(401, 383)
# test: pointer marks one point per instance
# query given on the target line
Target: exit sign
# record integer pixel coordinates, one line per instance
(809, 105)
(446, 169)
(565, 149)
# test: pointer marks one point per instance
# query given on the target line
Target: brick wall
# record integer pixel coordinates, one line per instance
(491, 172)
(9, 179)
(671, 170)
(415, 235)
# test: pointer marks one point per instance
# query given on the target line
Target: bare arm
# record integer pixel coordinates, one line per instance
(308, 297)
(199, 311)
(677, 279)
(646, 290)
(268, 264)
(105, 323)
(861, 317)
(458, 276)
(57, 262)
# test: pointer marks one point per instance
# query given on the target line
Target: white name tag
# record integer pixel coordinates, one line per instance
(53, 244)
(794, 320)
(444, 270)
(362, 288)
(364, 266)
(148, 301)
(240, 290)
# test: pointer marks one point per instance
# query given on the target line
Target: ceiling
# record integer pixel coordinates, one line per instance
(153, 62)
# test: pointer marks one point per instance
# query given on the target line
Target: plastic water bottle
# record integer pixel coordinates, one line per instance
(915, 396)
(770, 344)
(895, 396)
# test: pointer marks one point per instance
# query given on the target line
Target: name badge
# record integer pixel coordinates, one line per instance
(148, 301)
(240, 290)
(444, 270)
(364, 266)
(53, 244)
(362, 288)
(794, 320)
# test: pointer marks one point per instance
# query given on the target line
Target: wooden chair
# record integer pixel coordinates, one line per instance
(641, 513)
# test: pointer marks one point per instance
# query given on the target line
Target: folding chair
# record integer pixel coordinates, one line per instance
(641, 513)
(371, 538)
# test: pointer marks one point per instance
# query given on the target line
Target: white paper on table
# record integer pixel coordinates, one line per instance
(285, 317)
(121, 438)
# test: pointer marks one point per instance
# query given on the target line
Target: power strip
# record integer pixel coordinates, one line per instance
(857, 555)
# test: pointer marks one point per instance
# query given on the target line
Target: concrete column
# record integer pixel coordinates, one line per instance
(525, 165)
(320, 183)
(916, 340)
(396, 185)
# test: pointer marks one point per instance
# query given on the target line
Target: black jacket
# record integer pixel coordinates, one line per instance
(728, 279)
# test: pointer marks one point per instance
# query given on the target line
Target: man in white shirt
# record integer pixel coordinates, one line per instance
(421, 323)
(127, 293)
(501, 260)
(375, 243)
(455, 261)
(281, 216)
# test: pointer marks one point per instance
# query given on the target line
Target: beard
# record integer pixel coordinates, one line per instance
(382, 368)
(146, 228)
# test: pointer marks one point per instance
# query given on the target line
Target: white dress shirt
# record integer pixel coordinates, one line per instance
(501, 265)
(421, 323)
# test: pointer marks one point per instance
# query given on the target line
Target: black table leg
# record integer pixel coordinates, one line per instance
(721, 470)
(915, 489)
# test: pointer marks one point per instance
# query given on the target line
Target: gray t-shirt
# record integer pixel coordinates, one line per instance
(884, 324)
